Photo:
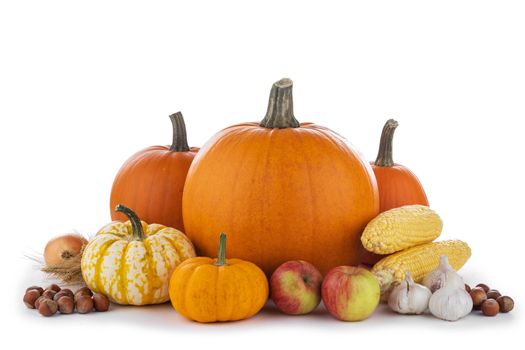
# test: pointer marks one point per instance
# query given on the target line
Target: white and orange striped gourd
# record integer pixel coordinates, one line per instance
(131, 262)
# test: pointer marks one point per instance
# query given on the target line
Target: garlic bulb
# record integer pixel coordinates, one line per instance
(409, 297)
(450, 302)
(443, 274)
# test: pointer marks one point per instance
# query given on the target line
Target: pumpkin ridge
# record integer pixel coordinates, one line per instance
(186, 295)
(263, 293)
(312, 217)
(270, 140)
(189, 287)
(153, 182)
(124, 275)
(252, 287)
(172, 244)
(101, 256)
(145, 163)
(130, 164)
(159, 239)
(152, 275)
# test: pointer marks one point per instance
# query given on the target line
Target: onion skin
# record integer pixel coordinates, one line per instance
(63, 248)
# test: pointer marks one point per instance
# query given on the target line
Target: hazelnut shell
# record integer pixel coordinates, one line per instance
(39, 289)
(37, 302)
(84, 304)
(30, 297)
(61, 294)
(478, 296)
(490, 307)
(483, 286)
(47, 307)
(66, 305)
(101, 302)
(54, 287)
(493, 294)
(48, 293)
(506, 304)
(84, 291)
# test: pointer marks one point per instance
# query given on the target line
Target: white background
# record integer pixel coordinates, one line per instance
(84, 86)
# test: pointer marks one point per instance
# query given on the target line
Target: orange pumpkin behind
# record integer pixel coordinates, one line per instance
(152, 180)
(398, 186)
(283, 190)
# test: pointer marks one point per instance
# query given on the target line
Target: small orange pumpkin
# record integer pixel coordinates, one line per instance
(398, 186)
(209, 290)
(152, 180)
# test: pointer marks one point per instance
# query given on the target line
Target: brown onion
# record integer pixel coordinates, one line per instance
(63, 248)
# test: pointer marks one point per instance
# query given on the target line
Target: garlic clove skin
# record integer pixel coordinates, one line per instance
(443, 274)
(450, 303)
(409, 298)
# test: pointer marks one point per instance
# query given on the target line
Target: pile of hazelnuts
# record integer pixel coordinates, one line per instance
(489, 301)
(52, 299)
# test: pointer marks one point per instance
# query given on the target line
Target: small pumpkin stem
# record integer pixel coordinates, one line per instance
(384, 156)
(280, 107)
(180, 140)
(221, 256)
(136, 224)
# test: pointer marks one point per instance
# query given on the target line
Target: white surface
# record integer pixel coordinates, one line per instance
(82, 87)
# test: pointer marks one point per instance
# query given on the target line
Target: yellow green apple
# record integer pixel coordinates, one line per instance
(350, 293)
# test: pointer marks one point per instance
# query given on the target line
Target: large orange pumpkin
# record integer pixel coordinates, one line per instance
(283, 190)
(152, 180)
(398, 186)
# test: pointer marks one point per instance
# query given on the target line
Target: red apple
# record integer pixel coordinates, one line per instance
(350, 293)
(296, 287)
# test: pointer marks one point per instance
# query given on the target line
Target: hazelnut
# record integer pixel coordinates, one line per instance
(30, 297)
(467, 288)
(478, 296)
(39, 289)
(48, 293)
(84, 304)
(493, 294)
(483, 286)
(47, 307)
(63, 293)
(66, 305)
(101, 302)
(490, 307)
(37, 302)
(506, 304)
(54, 287)
(83, 291)
(68, 291)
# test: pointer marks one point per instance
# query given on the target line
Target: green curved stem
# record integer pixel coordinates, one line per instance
(280, 107)
(180, 139)
(136, 224)
(384, 156)
(221, 256)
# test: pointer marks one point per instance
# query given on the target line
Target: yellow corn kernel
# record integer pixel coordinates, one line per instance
(401, 228)
(419, 261)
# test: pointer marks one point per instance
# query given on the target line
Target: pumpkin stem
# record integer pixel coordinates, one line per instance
(384, 156)
(280, 107)
(180, 140)
(221, 256)
(136, 224)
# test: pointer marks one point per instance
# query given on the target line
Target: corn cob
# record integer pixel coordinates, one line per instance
(419, 261)
(401, 228)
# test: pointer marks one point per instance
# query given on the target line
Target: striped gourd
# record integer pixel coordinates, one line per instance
(401, 228)
(131, 262)
(419, 261)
